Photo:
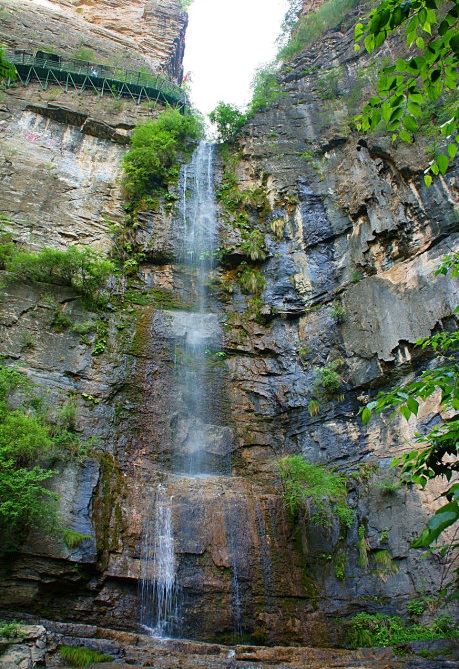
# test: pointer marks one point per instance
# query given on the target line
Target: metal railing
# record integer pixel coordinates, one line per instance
(47, 68)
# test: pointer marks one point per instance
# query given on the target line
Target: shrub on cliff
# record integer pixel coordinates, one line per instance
(308, 483)
(7, 69)
(31, 442)
(228, 119)
(153, 160)
(307, 29)
(81, 268)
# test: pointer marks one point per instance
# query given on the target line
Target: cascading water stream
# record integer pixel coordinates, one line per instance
(159, 594)
(202, 442)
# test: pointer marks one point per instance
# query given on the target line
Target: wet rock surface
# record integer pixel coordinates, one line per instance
(38, 645)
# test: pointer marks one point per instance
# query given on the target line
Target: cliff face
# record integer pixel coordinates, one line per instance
(351, 237)
(352, 242)
(125, 34)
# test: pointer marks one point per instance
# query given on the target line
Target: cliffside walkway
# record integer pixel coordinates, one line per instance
(51, 69)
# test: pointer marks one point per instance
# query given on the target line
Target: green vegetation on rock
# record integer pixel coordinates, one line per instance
(328, 378)
(321, 492)
(152, 163)
(310, 27)
(7, 70)
(32, 441)
(365, 630)
(9, 630)
(73, 539)
(81, 268)
(75, 656)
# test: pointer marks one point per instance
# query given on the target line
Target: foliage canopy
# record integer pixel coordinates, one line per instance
(430, 70)
(152, 162)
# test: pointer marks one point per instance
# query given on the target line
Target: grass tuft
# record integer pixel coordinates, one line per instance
(75, 656)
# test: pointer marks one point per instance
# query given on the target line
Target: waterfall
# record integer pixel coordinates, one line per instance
(202, 445)
(159, 602)
(202, 442)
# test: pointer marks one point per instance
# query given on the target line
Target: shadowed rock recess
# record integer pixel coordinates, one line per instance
(350, 239)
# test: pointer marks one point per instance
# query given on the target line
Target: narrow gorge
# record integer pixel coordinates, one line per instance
(245, 314)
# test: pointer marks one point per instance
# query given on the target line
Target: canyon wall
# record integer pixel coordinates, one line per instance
(132, 35)
(351, 237)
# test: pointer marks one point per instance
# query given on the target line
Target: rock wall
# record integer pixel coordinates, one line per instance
(133, 35)
(352, 237)
(352, 241)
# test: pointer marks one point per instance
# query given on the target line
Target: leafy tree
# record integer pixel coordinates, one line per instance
(406, 88)
(152, 162)
(228, 119)
(266, 88)
(438, 448)
(7, 69)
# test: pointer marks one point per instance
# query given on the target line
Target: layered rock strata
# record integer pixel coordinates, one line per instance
(132, 35)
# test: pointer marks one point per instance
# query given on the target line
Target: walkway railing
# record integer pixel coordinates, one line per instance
(50, 69)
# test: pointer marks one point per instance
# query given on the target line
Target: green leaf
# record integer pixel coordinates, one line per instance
(443, 27)
(414, 109)
(405, 136)
(412, 405)
(406, 413)
(427, 180)
(375, 118)
(454, 44)
(420, 43)
(396, 114)
(443, 163)
(410, 123)
(358, 31)
(410, 37)
(366, 415)
(452, 150)
(443, 518)
(369, 43)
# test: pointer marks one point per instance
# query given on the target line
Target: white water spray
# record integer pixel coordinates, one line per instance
(159, 611)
